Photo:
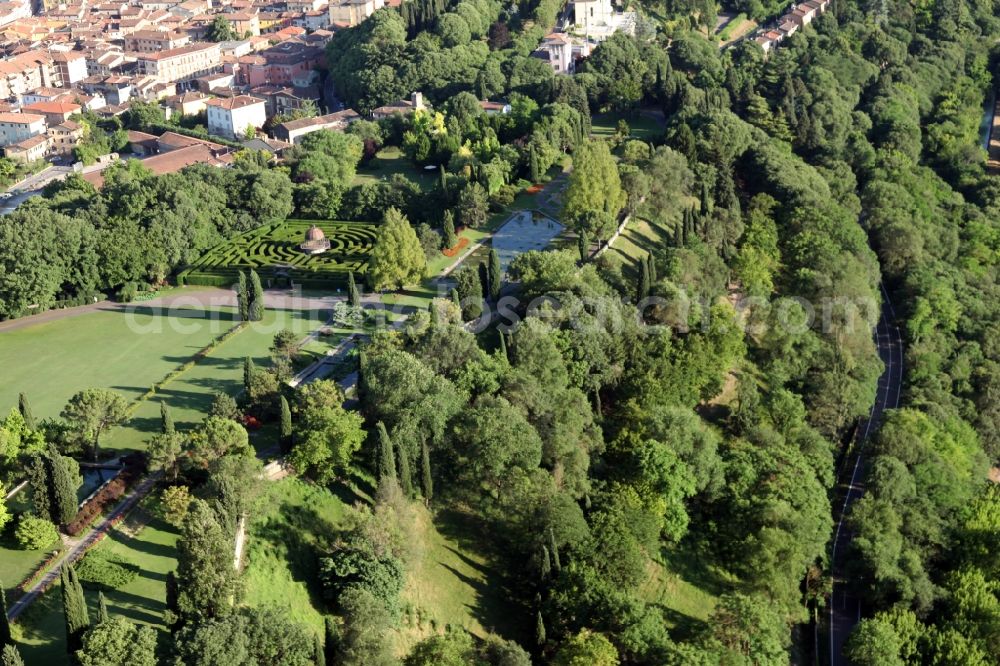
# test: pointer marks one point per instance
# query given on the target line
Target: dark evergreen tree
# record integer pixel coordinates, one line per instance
(286, 423)
(63, 489)
(353, 295)
(432, 310)
(496, 275)
(102, 609)
(425, 469)
(25, 408)
(450, 240)
(455, 298)
(4, 622)
(74, 608)
(706, 199)
(484, 278)
(503, 347)
(583, 246)
(642, 289)
(248, 373)
(554, 550)
(386, 464)
(651, 263)
(166, 420)
(332, 639)
(546, 563)
(256, 297)
(405, 476)
(38, 481)
(243, 297)
(539, 629)
(443, 175)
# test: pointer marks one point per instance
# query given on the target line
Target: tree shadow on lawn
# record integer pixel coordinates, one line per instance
(206, 313)
(683, 627)
(697, 567)
(131, 606)
(157, 549)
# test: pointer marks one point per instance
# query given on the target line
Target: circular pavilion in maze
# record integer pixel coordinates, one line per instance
(279, 251)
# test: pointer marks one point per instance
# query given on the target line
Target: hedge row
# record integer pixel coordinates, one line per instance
(107, 496)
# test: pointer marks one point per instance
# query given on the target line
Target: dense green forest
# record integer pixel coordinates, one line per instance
(682, 411)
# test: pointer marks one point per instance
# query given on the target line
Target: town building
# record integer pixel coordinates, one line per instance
(28, 150)
(16, 127)
(293, 130)
(403, 106)
(64, 137)
(181, 64)
(349, 13)
(53, 112)
(154, 41)
(231, 117)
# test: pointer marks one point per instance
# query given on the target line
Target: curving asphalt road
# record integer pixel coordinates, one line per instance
(845, 605)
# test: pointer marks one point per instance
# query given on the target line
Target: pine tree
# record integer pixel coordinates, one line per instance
(286, 423)
(405, 477)
(496, 274)
(642, 290)
(539, 629)
(38, 480)
(5, 638)
(248, 373)
(425, 468)
(11, 657)
(450, 239)
(386, 468)
(62, 489)
(256, 297)
(206, 581)
(74, 608)
(243, 297)
(318, 655)
(102, 609)
(353, 295)
(25, 408)
(556, 565)
(166, 420)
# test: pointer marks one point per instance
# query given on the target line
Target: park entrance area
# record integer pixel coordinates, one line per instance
(276, 252)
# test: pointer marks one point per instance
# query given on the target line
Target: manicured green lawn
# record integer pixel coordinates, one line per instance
(109, 349)
(40, 631)
(390, 161)
(297, 521)
(17, 564)
(190, 395)
(642, 127)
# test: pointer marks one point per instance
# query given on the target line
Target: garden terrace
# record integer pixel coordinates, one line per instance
(274, 252)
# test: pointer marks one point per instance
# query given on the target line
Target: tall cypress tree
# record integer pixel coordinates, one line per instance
(102, 609)
(484, 278)
(425, 469)
(386, 460)
(539, 629)
(256, 297)
(243, 297)
(286, 423)
(583, 246)
(64, 500)
(10, 656)
(74, 608)
(556, 564)
(4, 622)
(651, 261)
(642, 289)
(546, 563)
(503, 347)
(25, 408)
(166, 420)
(455, 298)
(353, 295)
(432, 310)
(443, 175)
(248, 372)
(450, 239)
(38, 480)
(496, 274)
(405, 476)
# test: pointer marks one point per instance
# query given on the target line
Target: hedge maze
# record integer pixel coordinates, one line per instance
(273, 251)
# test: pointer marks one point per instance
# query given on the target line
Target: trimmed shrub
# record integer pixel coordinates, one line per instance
(106, 571)
(35, 533)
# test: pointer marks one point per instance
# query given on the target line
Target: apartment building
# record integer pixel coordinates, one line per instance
(29, 150)
(71, 67)
(54, 112)
(181, 64)
(17, 127)
(64, 137)
(230, 117)
(352, 12)
(26, 72)
(154, 41)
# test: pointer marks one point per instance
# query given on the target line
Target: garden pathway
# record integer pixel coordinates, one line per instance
(77, 551)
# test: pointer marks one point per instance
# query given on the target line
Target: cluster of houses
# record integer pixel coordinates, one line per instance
(60, 60)
(797, 17)
(583, 25)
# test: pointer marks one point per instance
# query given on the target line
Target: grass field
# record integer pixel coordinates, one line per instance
(642, 127)
(40, 631)
(390, 161)
(109, 349)
(298, 521)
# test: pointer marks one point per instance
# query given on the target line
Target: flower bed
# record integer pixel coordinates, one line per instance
(112, 491)
(459, 246)
(534, 189)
